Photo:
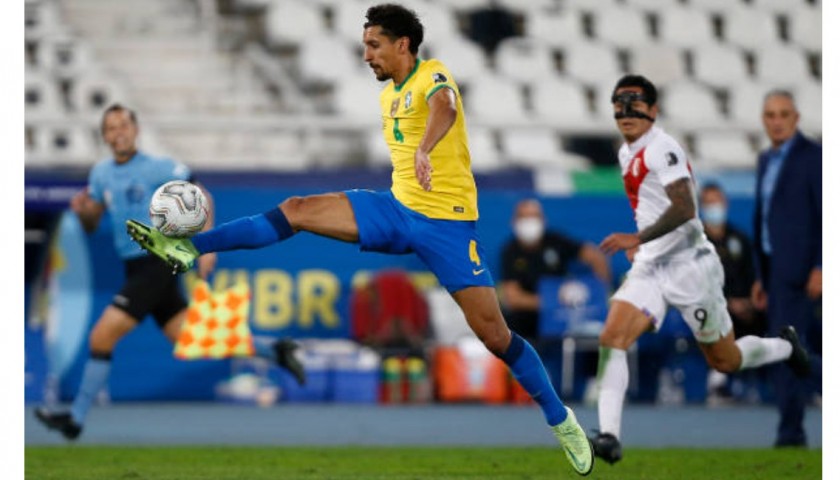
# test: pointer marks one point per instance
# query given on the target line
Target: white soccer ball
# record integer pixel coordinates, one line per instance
(178, 209)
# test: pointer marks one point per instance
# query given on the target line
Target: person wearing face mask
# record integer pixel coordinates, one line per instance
(736, 255)
(532, 253)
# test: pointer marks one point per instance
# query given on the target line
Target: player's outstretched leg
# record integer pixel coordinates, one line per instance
(799, 360)
(529, 371)
(613, 378)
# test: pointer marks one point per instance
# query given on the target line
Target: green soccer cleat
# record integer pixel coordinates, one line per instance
(179, 253)
(578, 448)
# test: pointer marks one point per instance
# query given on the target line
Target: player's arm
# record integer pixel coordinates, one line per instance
(207, 262)
(442, 114)
(88, 210)
(590, 256)
(680, 211)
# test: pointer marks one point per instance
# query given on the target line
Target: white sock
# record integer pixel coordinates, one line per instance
(757, 351)
(613, 377)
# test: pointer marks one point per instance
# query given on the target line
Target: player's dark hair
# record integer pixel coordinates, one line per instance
(648, 89)
(711, 186)
(116, 107)
(396, 21)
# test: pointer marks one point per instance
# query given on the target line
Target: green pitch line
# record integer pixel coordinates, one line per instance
(400, 463)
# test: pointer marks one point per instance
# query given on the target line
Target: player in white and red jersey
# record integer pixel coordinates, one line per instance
(674, 265)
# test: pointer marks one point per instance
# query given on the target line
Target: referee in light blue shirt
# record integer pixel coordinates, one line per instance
(788, 243)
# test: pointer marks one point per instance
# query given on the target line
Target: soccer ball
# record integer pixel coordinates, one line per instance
(178, 209)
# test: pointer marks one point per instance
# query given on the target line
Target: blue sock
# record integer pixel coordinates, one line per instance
(529, 371)
(95, 376)
(252, 232)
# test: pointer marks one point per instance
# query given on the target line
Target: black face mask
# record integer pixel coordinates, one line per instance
(626, 100)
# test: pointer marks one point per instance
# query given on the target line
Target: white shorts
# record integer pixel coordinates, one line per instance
(693, 285)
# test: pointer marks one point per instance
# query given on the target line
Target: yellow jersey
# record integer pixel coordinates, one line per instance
(404, 114)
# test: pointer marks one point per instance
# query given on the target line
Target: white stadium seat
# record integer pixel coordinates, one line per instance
(495, 99)
(785, 66)
(560, 101)
(348, 19)
(808, 98)
(720, 65)
(464, 59)
(484, 154)
(530, 147)
(622, 27)
(591, 63)
(781, 6)
(715, 6)
(342, 60)
(92, 93)
(377, 150)
(660, 63)
(556, 29)
(42, 99)
(290, 22)
(806, 28)
(728, 150)
(525, 59)
(651, 5)
(685, 27)
(691, 105)
(357, 97)
(746, 101)
(751, 28)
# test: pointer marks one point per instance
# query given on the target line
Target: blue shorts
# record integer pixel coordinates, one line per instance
(450, 248)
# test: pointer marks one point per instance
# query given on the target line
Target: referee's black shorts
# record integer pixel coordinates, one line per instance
(150, 287)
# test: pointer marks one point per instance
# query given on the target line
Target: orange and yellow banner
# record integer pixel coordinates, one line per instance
(217, 324)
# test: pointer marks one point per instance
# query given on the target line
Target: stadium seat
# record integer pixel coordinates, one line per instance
(651, 5)
(561, 102)
(342, 60)
(90, 94)
(41, 17)
(289, 22)
(68, 145)
(348, 19)
(715, 6)
(525, 59)
(685, 27)
(555, 29)
(781, 6)
(719, 65)
(751, 29)
(622, 27)
(725, 150)
(378, 153)
(591, 63)
(357, 97)
(808, 96)
(784, 66)
(439, 21)
(465, 59)
(690, 105)
(65, 55)
(805, 28)
(495, 99)
(746, 101)
(593, 5)
(484, 154)
(530, 147)
(660, 63)
(463, 5)
(42, 100)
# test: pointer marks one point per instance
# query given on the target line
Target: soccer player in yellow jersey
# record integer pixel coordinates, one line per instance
(431, 209)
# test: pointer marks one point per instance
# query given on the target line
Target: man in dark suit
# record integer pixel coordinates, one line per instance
(788, 245)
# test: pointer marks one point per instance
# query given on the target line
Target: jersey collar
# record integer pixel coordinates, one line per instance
(410, 74)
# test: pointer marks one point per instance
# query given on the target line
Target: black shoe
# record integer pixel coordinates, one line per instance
(607, 447)
(799, 361)
(285, 350)
(796, 443)
(61, 421)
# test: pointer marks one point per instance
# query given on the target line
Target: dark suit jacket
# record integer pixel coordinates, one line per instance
(795, 217)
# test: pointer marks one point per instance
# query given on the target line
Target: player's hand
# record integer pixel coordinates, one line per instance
(619, 241)
(81, 203)
(423, 169)
(631, 253)
(814, 286)
(206, 265)
(758, 296)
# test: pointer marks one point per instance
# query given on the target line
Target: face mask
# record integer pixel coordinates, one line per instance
(714, 215)
(529, 230)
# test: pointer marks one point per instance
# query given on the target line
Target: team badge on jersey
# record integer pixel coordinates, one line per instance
(395, 105)
(407, 100)
(438, 77)
(672, 159)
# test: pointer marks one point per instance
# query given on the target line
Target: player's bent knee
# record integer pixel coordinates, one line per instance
(724, 365)
(615, 339)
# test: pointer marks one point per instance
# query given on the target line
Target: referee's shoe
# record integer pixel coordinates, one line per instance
(61, 421)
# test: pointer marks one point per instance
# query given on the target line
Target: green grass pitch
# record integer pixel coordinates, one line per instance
(406, 463)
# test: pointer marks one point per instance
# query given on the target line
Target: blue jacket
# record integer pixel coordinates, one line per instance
(795, 217)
